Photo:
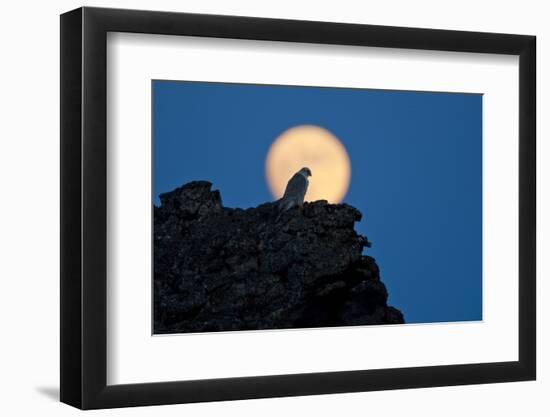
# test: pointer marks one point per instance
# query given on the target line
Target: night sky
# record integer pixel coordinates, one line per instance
(416, 161)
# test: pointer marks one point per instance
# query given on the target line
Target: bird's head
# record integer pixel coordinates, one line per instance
(306, 172)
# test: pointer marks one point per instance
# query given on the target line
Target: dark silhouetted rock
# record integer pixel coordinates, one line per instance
(221, 269)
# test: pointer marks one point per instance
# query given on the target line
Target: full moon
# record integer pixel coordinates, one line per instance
(319, 150)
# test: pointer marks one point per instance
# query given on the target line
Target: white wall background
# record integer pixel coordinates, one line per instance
(29, 210)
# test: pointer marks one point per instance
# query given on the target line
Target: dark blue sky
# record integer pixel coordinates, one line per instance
(416, 173)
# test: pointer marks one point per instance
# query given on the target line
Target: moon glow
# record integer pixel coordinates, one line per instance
(313, 147)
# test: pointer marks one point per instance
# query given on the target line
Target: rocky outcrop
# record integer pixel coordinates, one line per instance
(221, 269)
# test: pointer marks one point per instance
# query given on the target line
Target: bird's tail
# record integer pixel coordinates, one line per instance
(279, 207)
(282, 206)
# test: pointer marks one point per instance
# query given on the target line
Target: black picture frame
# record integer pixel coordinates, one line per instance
(84, 207)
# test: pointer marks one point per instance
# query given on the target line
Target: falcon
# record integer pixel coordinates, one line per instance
(295, 191)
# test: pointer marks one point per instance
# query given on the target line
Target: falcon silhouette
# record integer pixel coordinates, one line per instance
(295, 191)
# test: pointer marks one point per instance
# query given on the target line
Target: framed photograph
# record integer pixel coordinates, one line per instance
(258, 208)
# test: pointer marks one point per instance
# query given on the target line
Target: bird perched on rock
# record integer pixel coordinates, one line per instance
(295, 191)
